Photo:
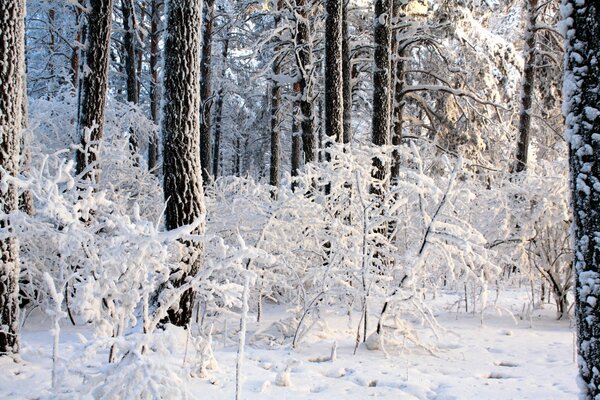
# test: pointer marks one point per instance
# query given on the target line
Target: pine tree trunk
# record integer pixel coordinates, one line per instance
(527, 89)
(334, 99)
(181, 139)
(296, 153)
(346, 76)
(582, 103)
(92, 87)
(154, 86)
(274, 170)
(381, 83)
(206, 92)
(130, 63)
(303, 43)
(399, 47)
(219, 112)
(12, 26)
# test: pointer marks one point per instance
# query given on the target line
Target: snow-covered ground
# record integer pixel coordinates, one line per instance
(501, 359)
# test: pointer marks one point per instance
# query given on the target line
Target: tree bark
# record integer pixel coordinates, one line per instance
(381, 83)
(274, 170)
(219, 111)
(92, 88)
(206, 92)
(334, 99)
(303, 43)
(12, 26)
(399, 49)
(582, 100)
(130, 64)
(154, 86)
(346, 76)
(527, 87)
(181, 139)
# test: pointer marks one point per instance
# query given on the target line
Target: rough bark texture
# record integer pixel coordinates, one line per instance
(582, 104)
(296, 152)
(219, 111)
(93, 86)
(527, 87)
(12, 17)
(346, 76)
(274, 170)
(303, 43)
(381, 81)
(399, 48)
(334, 100)
(181, 139)
(206, 91)
(154, 87)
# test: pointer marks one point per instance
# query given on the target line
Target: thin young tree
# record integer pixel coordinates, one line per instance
(274, 170)
(93, 86)
(129, 49)
(181, 139)
(582, 104)
(12, 26)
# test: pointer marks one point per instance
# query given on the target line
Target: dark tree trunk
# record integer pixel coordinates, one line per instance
(334, 99)
(12, 26)
(381, 82)
(527, 88)
(154, 87)
(92, 87)
(181, 139)
(206, 92)
(274, 170)
(139, 50)
(303, 43)
(130, 63)
(582, 100)
(219, 111)
(346, 76)
(75, 50)
(399, 48)
(296, 153)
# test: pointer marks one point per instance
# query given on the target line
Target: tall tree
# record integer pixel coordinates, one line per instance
(154, 85)
(274, 171)
(381, 81)
(346, 75)
(92, 86)
(133, 95)
(303, 47)
(12, 26)
(334, 99)
(206, 91)
(399, 47)
(181, 139)
(219, 110)
(527, 87)
(582, 104)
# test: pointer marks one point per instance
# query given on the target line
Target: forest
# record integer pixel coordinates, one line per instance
(299, 199)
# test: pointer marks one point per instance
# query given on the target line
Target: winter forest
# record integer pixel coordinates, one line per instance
(299, 199)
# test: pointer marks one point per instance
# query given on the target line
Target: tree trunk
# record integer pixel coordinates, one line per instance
(219, 111)
(582, 99)
(399, 48)
(334, 99)
(92, 88)
(381, 83)
(181, 139)
(346, 76)
(274, 170)
(154, 87)
(206, 92)
(75, 50)
(130, 64)
(12, 26)
(303, 43)
(296, 153)
(527, 89)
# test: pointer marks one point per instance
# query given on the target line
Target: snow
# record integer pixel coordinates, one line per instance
(532, 359)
